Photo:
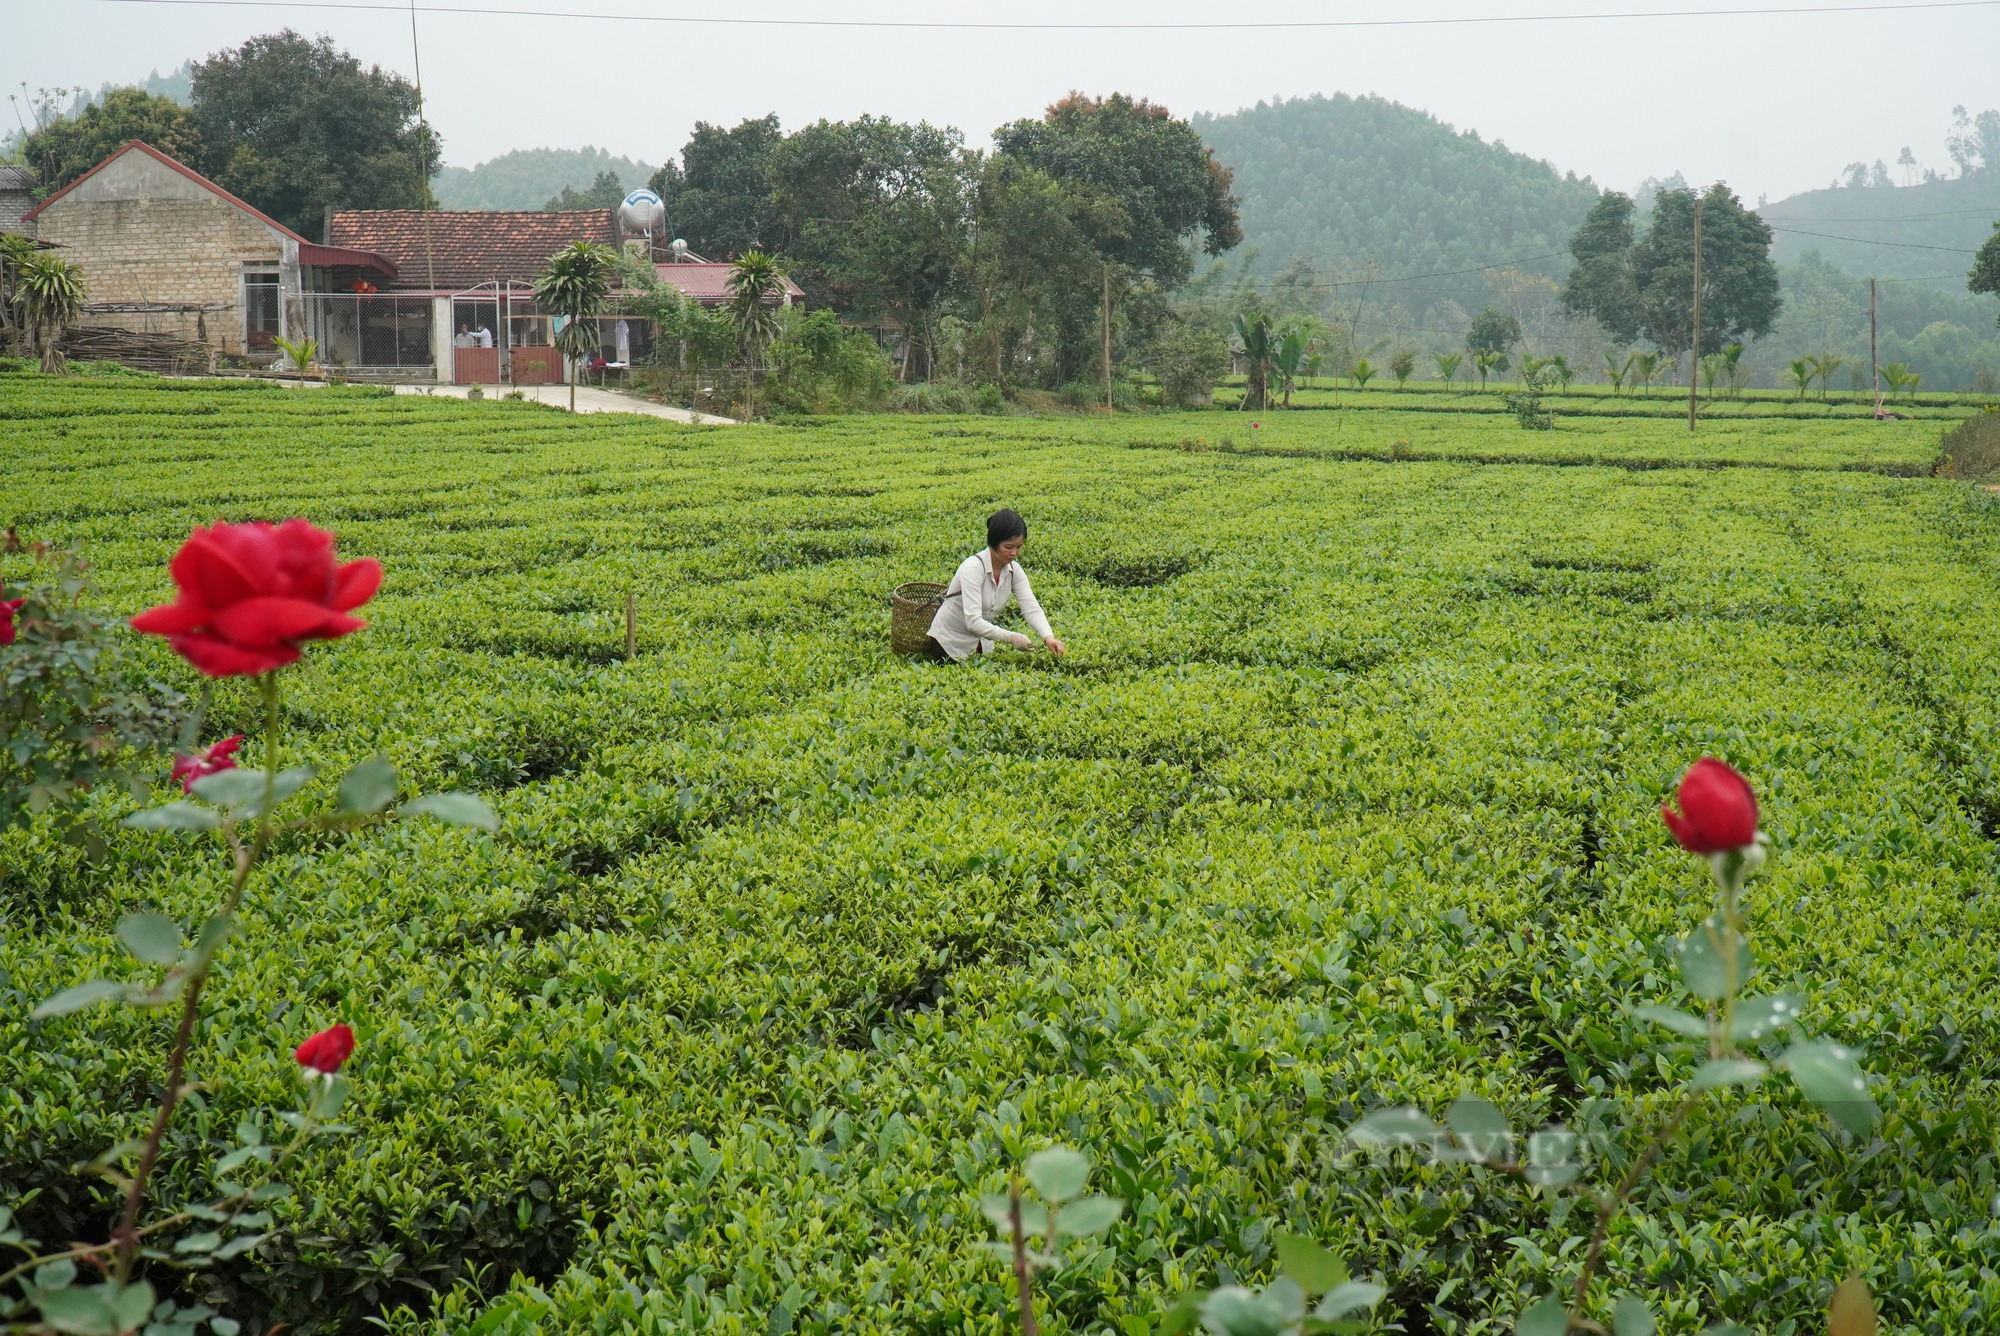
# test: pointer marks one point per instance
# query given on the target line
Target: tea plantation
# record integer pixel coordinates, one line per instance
(1347, 794)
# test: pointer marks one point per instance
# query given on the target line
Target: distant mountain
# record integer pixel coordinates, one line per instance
(529, 178)
(1846, 225)
(1342, 181)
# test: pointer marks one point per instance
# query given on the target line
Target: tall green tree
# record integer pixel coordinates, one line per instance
(1143, 190)
(879, 218)
(295, 125)
(65, 149)
(606, 191)
(1643, 286)
(1493, 333)
(574, 286)
(719, 195)
(1029, 252)
(1985, 275)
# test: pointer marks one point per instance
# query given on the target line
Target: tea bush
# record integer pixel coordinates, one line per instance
(788, 950)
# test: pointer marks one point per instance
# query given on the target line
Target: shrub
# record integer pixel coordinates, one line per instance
(1972, 448)
(1188, 363)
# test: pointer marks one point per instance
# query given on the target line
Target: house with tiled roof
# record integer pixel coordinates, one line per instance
(166, 251)
(17, 197)
(484, 261)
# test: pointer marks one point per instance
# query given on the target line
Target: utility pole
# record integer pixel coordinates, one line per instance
(1107, 337)
(1694, 334)
(1874, 372)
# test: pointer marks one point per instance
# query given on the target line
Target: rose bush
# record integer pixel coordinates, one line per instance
(220, 757)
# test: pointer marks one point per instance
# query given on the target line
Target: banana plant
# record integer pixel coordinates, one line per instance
(1257, 345)
(1289, 358)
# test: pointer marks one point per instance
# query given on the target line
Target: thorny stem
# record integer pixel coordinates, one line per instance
(1024, 1276)
(1608, 1207)
(126, 1236)
(1720, 1044)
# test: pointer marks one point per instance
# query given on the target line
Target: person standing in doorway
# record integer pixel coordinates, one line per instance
(986, 582)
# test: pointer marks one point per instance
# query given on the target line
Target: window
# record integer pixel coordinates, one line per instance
(261, 310)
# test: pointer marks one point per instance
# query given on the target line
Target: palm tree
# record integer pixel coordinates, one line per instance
(1253, 333)
(1447, 365)
(1616, 371)
(1290, 359)
(1487, 363)
(755, 288)
(1363, 371)
(1646, 366)
(574, 286)
(1824, 365)
(1802, 371)
(50, 292)
(15, 252)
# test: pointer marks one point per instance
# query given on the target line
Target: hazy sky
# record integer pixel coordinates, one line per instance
(1771, 103)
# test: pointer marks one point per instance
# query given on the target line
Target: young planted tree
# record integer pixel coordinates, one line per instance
(756, 287)
(1448, 365)
(1824, 365)
(1802, 372)
(1402, 365)
(1615, 370)
(574, 286)
(1362, 371)
(1646, 368)
(1291, 358)
(1492, 333)
(49, 292)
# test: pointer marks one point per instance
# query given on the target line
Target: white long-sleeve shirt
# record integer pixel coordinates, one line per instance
(964, 624)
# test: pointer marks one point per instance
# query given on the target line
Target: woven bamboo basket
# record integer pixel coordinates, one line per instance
(914, 603)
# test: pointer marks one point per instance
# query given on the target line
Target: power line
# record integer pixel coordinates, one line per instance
(1481, 20)
(1865, 241)
(1892, 218)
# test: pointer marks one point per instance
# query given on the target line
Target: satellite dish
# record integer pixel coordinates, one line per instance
(642, 214)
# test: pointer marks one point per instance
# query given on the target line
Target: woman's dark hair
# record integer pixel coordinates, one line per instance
(1002, 525)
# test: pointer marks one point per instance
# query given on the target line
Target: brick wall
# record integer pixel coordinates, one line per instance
(185, 251)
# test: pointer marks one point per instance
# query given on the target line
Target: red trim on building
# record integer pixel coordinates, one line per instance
(328, 257)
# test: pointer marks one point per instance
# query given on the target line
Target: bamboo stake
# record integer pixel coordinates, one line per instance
(631, 628)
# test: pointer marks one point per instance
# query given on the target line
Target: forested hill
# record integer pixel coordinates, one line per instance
(1916, 231)
(528, 177)
(1344, 180)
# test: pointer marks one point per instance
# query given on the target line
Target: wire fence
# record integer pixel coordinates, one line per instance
(370, 331)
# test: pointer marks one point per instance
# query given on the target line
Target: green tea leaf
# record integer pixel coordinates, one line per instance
(84, 1311)
(368, 787)
(153, 938)
(1058, 1173)
(454, 809)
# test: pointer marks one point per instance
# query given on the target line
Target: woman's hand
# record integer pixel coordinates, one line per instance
(1020, 641)
(1056, 647)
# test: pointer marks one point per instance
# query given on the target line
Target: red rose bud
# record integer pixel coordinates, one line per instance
(7, 611)
(1718, 810)
(326, 1051)
(247, 594)
(220, 757)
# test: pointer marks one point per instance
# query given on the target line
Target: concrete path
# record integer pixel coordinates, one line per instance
(589, 399)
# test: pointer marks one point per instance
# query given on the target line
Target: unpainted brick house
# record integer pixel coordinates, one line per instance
(165, 250)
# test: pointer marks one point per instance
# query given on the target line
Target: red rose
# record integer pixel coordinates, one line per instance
(247, 594)
(326, 1051)
(7, 611)
(220, 757)
(1718, 810)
